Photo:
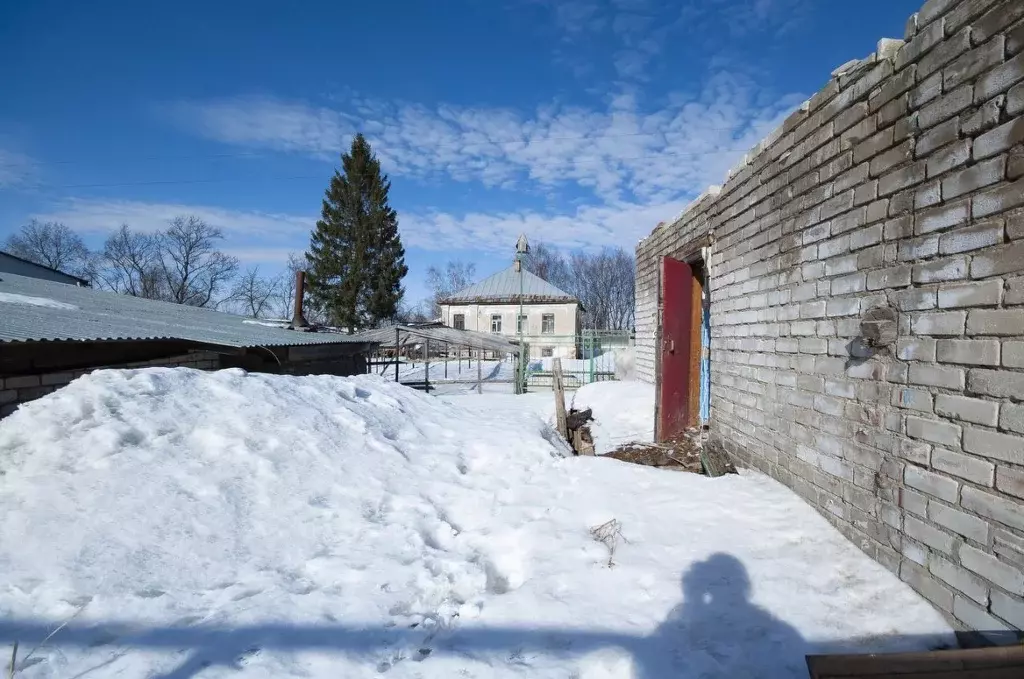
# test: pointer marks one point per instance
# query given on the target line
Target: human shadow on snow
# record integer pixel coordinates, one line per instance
(716, 631)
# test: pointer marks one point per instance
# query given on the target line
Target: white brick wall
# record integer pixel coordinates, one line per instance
(899, 184)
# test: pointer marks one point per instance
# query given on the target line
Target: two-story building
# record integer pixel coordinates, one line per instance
(551, 319)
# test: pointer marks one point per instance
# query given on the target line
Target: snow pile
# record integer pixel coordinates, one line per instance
(625, 364)
(268, 322)
(604, 362)
(12, 298)
(623, 412)
(336, 527)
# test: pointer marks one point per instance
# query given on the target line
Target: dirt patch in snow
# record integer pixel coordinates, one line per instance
(681, 453)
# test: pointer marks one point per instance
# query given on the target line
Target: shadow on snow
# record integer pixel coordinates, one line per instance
(715, 632)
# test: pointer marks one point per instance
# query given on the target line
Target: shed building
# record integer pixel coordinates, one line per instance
(51, 333)
(22, 267)
(846, 313)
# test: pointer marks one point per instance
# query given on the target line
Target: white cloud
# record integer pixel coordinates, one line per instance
(620, 152)
(273, 256)
(258, 237)
(266, 122)
(15, 168)
(588, 227)
(99, 217)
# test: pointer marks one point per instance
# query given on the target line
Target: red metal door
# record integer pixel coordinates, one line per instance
(676, 319)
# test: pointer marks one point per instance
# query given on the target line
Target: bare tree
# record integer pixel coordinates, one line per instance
(54, 245)
(602, 281)
(549, 264)
(194, 270)
(284, 299)
(254, 294)
(286, 291)
(455, 276)
(415, 313)
(130, 264)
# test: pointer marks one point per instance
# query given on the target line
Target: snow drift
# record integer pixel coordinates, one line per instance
(623, 412)
(323, 527)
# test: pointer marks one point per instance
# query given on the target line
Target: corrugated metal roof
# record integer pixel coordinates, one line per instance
(35, 309)
(504, 286)
(459, 338)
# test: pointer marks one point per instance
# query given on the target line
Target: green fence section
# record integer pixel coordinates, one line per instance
(594, 359)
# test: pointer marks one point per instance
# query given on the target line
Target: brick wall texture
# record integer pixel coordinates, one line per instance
(899, 184)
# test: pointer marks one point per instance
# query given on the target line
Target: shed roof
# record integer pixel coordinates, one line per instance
(33, 309)
(504, 286)
(14, 264)
(403, 334)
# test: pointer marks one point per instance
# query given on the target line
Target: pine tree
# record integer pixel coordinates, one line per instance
(356, 259)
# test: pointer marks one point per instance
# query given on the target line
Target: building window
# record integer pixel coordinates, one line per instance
(459, 321)
(495, 322)
(547, 352)
(521, 324)
(547, 325)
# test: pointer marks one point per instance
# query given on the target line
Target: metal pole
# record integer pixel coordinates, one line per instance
(447, 355)
(520, 322)
(593, 342)
(396, 353)
(426, 359)
(479, 375)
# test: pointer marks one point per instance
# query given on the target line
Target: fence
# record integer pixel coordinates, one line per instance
(446, 367)
(597, 353)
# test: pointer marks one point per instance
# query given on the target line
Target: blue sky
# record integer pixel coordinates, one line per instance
(580, 122)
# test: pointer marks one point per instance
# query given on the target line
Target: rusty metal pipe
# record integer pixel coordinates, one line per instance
(298, 319)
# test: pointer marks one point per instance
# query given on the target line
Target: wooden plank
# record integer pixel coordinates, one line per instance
(426, 357)
(1001, 662)
(696, 313)
(559, 389)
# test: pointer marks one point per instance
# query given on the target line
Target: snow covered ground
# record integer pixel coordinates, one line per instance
(197, 524)
(623, 412)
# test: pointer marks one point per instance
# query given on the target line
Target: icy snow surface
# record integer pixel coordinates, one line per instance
(12, 298)
(206, 523)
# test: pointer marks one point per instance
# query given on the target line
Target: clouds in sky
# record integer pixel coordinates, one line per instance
(15, 168)
(641, 29)
(611, 172)
(608, 172)
(621, 152)
(100, 217)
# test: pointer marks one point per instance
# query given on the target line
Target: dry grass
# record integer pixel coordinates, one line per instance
(608, 534)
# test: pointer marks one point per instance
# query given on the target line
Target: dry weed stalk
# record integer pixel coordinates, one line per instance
(608, 534)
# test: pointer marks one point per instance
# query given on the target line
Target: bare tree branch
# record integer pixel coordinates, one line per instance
(130, 264)
(286, 291)
(54, 245)
(194, 271)
(549, 264)
(255, 293)
(455, 276)
(602, 281)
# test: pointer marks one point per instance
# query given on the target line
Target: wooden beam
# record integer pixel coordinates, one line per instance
(559, 389)
(1001, 662)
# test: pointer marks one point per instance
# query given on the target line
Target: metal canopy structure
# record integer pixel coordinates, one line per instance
(404, 335)
(439, 340)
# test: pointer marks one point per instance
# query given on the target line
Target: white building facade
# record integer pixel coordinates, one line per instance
(551, 318)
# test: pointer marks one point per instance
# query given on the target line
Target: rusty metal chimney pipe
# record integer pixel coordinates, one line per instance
(298, 319)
